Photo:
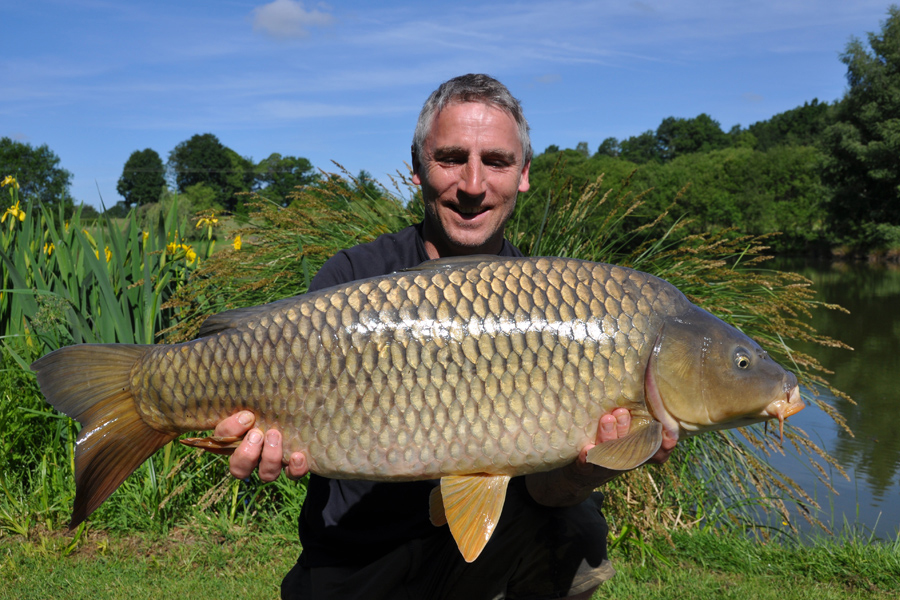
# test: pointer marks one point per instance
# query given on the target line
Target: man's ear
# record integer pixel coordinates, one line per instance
(416, 165)
(524, 184)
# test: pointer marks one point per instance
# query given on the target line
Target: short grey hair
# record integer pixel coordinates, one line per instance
(471, 88)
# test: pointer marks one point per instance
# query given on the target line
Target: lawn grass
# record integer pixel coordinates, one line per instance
(708, 565)
(232, 562)
(184, 563)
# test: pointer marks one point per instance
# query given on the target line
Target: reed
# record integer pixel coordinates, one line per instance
(147, 288)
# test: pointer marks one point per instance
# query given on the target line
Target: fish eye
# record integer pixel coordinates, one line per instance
(741, 360)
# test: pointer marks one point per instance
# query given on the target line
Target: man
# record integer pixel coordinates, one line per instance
(471, 156)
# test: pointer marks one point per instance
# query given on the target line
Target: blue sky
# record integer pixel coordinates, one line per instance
(96, 80)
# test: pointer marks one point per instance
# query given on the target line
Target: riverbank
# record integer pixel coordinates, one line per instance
(247, 563)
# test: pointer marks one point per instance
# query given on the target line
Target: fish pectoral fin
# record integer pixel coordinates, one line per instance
(631, 451)
(436, 508)
(217, 444)
(471, 505)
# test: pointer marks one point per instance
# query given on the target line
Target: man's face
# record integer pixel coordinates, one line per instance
(470, 172)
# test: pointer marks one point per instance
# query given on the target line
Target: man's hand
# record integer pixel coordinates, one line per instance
(573, 483)
(258, 450)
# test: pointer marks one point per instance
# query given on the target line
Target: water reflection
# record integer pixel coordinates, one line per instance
(868, 374)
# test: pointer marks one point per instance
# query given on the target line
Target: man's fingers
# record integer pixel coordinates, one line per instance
(607, 430)
(247, 454)
(297, 467)
(270, 462)
(235, 425)
(665, 450)
(623, 421)
(614, 425)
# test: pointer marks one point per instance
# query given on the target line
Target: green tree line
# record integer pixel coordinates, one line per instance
(210, 175)
(825, 175)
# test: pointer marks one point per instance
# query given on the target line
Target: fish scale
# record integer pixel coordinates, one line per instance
(472, 338)
(470, 370)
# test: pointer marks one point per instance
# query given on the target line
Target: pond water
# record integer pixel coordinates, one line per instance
(868, 374)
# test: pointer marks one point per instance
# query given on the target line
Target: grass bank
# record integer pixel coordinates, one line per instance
(235, 562)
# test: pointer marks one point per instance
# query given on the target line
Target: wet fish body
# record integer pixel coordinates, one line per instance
(472, 370)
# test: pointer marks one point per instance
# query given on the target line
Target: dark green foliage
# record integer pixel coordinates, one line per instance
(143, 178)
(119, 210)
(751, 191)
(641, 148)
(280, 175)
(801, 126)
(203, 159)
(37, 171)
(864, 143)
(677, 137)
(609, 147)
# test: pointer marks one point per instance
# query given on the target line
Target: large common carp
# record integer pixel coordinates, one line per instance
(470, 369)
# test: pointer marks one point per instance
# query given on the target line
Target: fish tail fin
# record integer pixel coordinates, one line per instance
(91, 383)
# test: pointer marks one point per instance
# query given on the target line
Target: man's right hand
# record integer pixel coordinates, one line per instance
(257, 450)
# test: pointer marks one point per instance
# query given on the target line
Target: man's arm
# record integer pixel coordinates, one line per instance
(574, 483)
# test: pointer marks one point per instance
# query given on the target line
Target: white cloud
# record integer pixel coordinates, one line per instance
(287, 19)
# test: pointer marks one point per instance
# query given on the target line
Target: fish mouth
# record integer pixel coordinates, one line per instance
(781, 409)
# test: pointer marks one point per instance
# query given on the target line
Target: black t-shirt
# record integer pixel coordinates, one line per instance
(353, 522)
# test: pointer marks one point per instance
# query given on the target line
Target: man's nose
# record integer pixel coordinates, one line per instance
(472, 178)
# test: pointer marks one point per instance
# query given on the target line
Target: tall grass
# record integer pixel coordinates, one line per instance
(146, 290)
(71, 282)
(722, 478)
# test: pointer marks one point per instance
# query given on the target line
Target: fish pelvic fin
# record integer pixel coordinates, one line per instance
(91, 383)
(631, 451)
(471, 505)
(216, 444)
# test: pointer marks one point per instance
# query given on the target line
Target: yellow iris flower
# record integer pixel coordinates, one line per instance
(189, 255)
(14, 211)
(237, 242)
(9, 180)
(207, 222)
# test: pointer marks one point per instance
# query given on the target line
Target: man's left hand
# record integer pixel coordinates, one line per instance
(573, 483)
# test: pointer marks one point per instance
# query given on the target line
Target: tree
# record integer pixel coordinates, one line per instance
(582, 149)
(801, 126)
(864, 142)
(677, 137)
(203, 159)
(609, 147)
(641, 148)
(142, 178)
(38, 172)
(280, 175)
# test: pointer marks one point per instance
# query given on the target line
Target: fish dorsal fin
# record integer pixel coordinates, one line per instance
(231, 319)
(471, 505)
(631, 451)
(454, 262)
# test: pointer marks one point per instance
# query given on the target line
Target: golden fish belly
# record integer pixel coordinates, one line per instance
(500, 366)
